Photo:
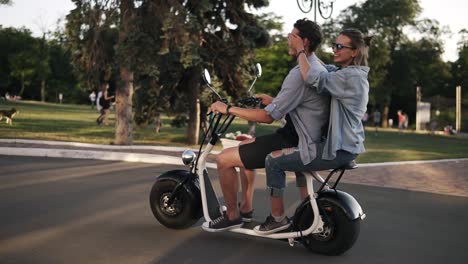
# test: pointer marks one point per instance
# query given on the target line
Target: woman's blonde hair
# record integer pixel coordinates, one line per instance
(359, 42)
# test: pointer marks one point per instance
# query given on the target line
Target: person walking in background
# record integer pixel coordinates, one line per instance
(376, 116)
(92, 98)
(406, 121)
(401, 120)
(98, 99)
(105, 102)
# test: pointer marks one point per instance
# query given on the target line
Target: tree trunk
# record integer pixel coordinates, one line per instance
(43, 86)
(123, 109)
(385, 116)
(193, 86)
(124, 94)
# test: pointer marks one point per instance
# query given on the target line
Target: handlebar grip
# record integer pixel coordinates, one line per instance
(249, 101)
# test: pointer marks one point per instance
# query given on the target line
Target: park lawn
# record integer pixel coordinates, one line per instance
(77, 123)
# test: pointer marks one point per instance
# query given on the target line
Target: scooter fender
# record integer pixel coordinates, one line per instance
(190, 182)
(345, 201)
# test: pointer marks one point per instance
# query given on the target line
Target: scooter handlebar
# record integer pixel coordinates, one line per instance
(249, 101)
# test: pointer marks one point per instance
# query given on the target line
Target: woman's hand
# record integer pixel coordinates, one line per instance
(218, 107)
(266, 99)
(296, 42)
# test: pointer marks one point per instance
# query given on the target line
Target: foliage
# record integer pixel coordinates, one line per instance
(25, 61)
(460, 66)
(91, 34)
(276, 63)
(397, 62)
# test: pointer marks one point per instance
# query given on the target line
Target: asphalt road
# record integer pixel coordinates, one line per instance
(86, 211)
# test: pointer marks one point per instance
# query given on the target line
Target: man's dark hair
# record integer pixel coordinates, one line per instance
(311, 31)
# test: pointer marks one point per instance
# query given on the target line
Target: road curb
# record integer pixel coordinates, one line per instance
(96, 146)
(96, 155)
(105, 154)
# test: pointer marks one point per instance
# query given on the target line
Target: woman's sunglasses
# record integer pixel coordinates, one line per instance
(340, 46)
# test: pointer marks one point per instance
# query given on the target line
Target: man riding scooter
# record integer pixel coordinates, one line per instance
(306, 113)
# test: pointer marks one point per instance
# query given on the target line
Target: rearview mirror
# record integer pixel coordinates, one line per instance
(206, 76)
(258, 71)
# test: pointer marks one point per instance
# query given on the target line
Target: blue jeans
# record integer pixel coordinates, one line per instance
(290, 160)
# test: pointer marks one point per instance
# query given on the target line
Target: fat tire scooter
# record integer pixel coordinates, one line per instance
(326, 222)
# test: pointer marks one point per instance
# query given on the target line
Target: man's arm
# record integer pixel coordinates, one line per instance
(255, 115)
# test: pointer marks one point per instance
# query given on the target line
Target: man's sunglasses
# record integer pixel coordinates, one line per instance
(340, 46)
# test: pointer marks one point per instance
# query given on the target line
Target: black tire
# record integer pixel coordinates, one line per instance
(339, 235)
(183, 212)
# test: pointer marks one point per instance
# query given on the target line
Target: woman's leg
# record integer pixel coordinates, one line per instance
(105, 117)
(289, 160)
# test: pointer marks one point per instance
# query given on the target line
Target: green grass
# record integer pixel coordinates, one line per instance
(77, 123)
(390, 145)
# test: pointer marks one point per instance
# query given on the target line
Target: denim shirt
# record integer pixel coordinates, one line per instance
(349, 90)
(308, 110)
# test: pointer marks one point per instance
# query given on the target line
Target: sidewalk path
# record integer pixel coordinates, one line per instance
(448, 177)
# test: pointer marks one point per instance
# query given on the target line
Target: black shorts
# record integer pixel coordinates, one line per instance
(253, 154)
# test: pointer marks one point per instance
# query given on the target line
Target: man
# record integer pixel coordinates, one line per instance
(306, 113)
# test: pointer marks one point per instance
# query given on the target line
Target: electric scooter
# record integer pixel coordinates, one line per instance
(326, 222)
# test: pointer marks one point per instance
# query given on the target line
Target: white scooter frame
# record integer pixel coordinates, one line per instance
(317, 223)
(179, 197)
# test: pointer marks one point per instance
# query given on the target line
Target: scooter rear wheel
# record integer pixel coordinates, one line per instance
(181, 213)
(339, 234)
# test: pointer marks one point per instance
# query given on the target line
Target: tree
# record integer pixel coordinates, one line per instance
(62, 78)
(186, 35)
(274, 58)
(460, 66)
(388, 20)
(26, 62)
(43, 69)
(124, 95)
(189, 36)
(95, 28)
(18, 59)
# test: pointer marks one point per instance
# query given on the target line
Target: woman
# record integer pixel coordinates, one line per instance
(105, 102)
(349, 88)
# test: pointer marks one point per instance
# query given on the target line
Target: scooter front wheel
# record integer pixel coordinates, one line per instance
(339, 234)
(181, 213)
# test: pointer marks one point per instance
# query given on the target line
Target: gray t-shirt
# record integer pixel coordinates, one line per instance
(308, 110)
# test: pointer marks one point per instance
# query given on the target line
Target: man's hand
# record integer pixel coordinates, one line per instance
(296, 42)
(266, 99)
(218, 107)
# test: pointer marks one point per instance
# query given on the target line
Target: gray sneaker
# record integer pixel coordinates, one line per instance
(222, 223)
(270, 226)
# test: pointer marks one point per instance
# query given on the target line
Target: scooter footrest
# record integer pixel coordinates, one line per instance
(251, 225)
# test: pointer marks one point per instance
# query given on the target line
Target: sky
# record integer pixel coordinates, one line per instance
(43, 15)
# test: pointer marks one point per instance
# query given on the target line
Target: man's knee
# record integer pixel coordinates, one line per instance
(227, 159)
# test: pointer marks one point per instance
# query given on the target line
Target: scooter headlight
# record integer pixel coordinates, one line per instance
(188, 157)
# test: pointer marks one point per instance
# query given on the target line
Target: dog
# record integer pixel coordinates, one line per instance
(8, 115)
